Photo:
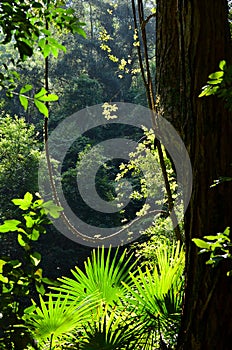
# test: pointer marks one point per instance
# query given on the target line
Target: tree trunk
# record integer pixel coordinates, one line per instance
(192, 37)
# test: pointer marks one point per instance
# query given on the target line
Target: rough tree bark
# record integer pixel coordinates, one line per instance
(192, 37)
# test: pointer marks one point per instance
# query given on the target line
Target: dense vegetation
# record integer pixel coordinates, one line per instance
(58, 58)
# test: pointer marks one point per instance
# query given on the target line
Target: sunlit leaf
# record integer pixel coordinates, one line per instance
(10, 226)
(24, 101)
(29, 221)
(35, 258)
(49, 98)
(52, 209)
(222, 65)
(201, 243)
(41, 107)
(41, 93)
(34, 235)
(216, 75)
(81, 32)
(25, 89)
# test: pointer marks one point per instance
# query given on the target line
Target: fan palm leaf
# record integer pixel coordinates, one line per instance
(55, 318)
(156, 293)
(103, 274)
(112, 331)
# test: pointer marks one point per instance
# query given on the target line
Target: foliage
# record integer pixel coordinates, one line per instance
(29, 26)
(19, 277)
(137, 309)
(156, 293)
(52, 321)
(112, 331)
(161, 232)
(143, 164)
(109, 305)
(219, 247)
(39, 99)
(112, 304)
(103, 274)
(19, 161)
(219, 84)
(83, 75)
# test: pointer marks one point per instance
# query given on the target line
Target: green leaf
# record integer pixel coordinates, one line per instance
(34, 235)
(52, 209)
(201, 244)
(211, 238)
(10, 226)
(42, 43)
(216, 75)
(21, 241)
(35, 258)
(15, 263)
(24, 203)
(46, 51)
(28, 197)
(81, 32)
(41, 93)
(54, 43)
(49, 98)
(25, 89)
(214, 82)
(2, 263)
(40, 288)
(46, 32)
(41, 107)
(25, 50)
(227, 231)
(222, 65)
(54, 51)
(38, 274)
(29, 221)
(3, 279)
(209, 90)
(205, 90)
(24, 101)
(50, 282)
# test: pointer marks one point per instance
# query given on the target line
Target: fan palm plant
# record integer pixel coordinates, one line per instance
(156, 294)
(112, 331)
(53, 320)
(103, 274)
(113, 306)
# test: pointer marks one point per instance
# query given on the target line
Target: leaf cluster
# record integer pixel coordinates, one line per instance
(220, 84)
(19, 277)
(122, 306)
(219, 247)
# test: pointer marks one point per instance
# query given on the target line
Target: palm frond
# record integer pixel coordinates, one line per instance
(103, 274)
(112, 331)
(57, 316)
(156, 293)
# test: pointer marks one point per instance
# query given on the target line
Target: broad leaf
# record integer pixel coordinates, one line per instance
(21, 241)
(35, 235)
(35, 258)
(222, 65)
(41, 93)
(201, 243)
(25, 89)
(49, 98)
(52, 209)
(10, 226)
(24, 101)
(24, 203)
(216, 75)
(41, 107)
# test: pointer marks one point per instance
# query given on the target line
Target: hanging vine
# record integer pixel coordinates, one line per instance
(140, 23)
